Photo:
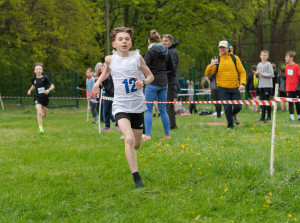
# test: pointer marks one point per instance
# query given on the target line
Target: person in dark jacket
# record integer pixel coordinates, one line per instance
(281, 81)
(250, 85)
(215, 94)
(169, 42)
(108, 86)
(275, 77)
(160, 63)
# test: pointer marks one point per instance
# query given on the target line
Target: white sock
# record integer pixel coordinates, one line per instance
(292, 117)
(298, 117)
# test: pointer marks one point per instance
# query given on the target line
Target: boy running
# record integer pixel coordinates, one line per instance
(127, 69)
(41, 85)
(292, 73)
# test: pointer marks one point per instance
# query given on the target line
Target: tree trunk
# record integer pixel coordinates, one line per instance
(107, 25)
(275, 45)
(126, 15)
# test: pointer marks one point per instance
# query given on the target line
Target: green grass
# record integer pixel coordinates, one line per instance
(74, 174)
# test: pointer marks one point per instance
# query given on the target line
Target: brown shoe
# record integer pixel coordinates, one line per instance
(236, 120)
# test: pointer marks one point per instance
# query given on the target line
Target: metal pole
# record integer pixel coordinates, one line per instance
(107, 25)
(87, 110)
(194, 80)
(77, 90)
(273, 133)
(100, 104)
(246, 90)
(21, 87)
(1, 102)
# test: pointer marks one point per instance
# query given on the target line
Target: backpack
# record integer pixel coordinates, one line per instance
(206, 84)
(255, 81)
(205, 112)
(233, 59)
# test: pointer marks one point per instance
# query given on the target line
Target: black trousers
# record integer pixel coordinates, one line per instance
(230, 110)
(193, 108)
(215, 97)
(294, 94)
(265, 94)
(171, 95)
(108, 115)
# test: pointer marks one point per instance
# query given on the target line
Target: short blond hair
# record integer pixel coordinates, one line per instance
(265, 51)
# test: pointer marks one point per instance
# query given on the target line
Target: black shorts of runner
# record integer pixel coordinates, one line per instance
(136, 119)
(257, 92)
(265, 93)
(282, 94)
(44, 102)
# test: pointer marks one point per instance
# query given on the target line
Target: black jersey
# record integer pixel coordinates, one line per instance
(41, 84)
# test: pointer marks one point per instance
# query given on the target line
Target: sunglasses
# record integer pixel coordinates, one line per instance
(168, 36)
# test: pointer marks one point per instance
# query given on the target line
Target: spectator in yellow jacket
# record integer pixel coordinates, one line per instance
(230, 78)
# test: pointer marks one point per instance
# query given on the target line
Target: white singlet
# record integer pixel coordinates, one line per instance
(124, 71)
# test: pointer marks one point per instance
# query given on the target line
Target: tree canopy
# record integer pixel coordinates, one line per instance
(60, 34)
(69, 35)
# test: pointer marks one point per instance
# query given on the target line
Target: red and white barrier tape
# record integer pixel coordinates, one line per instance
(240, 102)
(287, 99)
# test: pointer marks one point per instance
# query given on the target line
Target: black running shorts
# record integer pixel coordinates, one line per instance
(44, 102)
(136, 119)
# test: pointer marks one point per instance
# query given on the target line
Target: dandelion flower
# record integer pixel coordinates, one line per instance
(270, 194)
(289, 215)
(295, 219)
(221, 197)
(190, 190)
(226, 189)
(249, 164)
(251, 210)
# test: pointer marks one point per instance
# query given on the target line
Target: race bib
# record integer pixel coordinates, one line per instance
(41, 90)
(290, 72)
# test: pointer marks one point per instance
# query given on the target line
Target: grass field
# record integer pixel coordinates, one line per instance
(205, 173)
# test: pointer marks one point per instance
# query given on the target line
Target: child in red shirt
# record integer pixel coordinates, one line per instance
(292, 72)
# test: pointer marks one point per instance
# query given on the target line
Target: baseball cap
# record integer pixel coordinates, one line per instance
(223, 43)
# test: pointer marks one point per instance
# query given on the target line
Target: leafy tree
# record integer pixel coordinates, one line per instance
(198, 24)
(271, 26)
(61, 34)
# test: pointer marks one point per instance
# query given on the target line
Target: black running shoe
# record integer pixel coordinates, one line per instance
(139, 184)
